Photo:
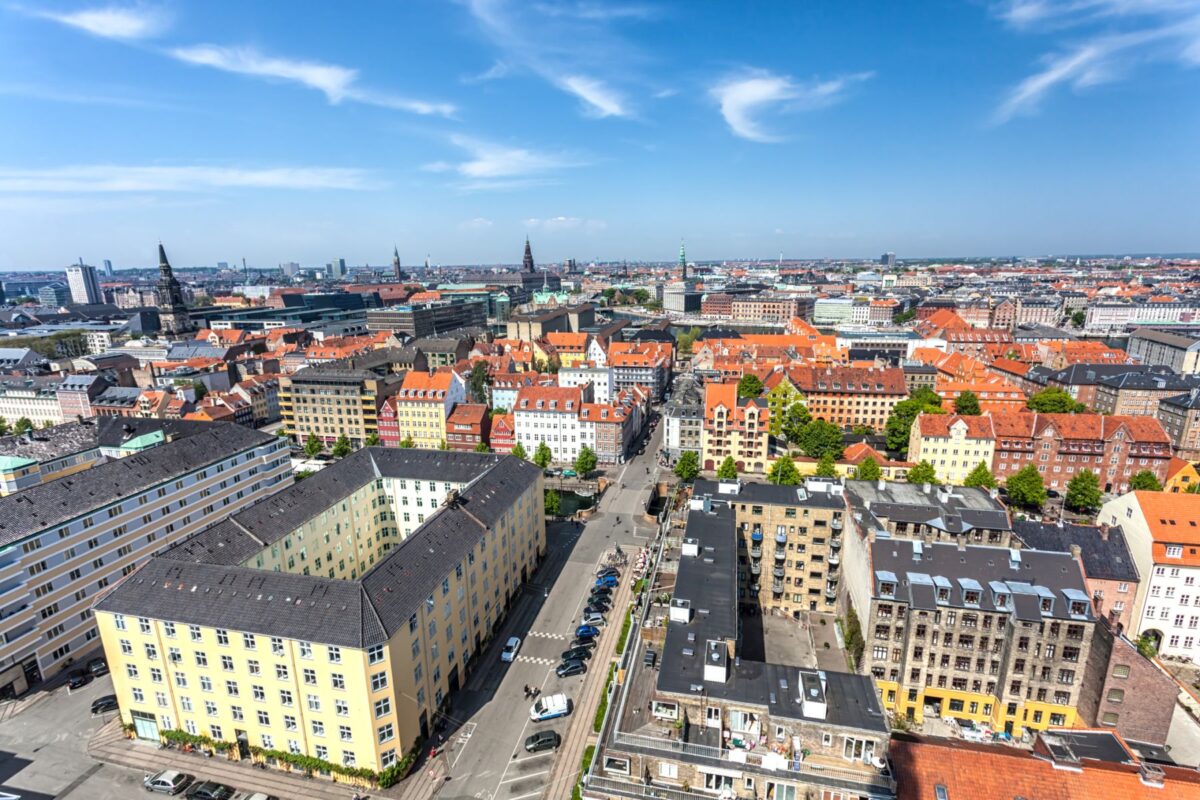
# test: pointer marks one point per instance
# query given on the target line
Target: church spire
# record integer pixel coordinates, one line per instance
(527, 262)
(682, 260)
(163, 265)
(397, 272)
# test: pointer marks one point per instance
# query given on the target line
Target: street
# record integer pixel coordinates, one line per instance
(490, 717)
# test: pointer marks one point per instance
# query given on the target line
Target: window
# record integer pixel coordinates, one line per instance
(314, 702)
(264, 719)
(248, 641)
(318, 728)
(335, 655)
(344, 733)
(385, 733)
(1116, 696)
(338, 680)
(1109, 718)
(310, 677)
(668, 770)
(341, 708)
(375, 654)
(383, 707)
(379, 681)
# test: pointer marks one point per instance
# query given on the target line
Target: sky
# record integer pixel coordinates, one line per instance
(306, 131)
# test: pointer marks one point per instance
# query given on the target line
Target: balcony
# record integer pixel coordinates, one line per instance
(835, 542)
(756, 552)
(836, 524)
(832, 572)
(830, 593)
(756, 536)
(834, 559)
(780, 554)
(781, 538)
(755, 568)
(777, 588)
(778, 572)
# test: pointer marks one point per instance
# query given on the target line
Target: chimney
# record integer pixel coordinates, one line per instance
(961, 542)
(1076, 551)
(926, 487)
(881, 484)
(1103, 531)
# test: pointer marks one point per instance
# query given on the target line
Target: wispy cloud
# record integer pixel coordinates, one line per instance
(476, 224)
(1108, 40)
(495, 72)
(336, 82)
(491, 166)
(81, 96)
(571, 45)
(745, 96)
(125, 178)
(113, 22)
(564, 223)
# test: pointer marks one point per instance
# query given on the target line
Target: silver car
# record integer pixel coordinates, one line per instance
(169, 781)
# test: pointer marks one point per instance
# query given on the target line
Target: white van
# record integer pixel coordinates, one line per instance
(549, 707)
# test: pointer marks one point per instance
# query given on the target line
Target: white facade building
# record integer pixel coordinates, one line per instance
(84, 286)
(549, 414)
(601, 379)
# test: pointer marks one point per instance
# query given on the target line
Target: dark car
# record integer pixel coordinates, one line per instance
(1052, 494)
(607, 580)
(106, 703)
(577, 654)
(168, 781)
(542, 740)
(97, 667)
(583, 641)
(601, 591)
(597, 608)
(210, 790)
(569, 668)
(78, 679)
(600, 573)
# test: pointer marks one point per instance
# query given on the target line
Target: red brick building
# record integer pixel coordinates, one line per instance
(468, 425)
(503, 434)
(389, 424)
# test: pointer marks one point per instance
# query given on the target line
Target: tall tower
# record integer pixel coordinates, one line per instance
(85, 288)
(397, 272)
(682, 260)
(527, 261)
(172, 311)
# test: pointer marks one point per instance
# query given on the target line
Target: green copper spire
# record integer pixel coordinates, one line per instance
(682, 260)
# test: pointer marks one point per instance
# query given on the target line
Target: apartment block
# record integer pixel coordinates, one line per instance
(468, 426)
(734, 427)
(646, 364)
(64, 541)
(953, 444)
(1177, 351)
(1180, 418)
(319, 621)
(341, 398)
(423, 404)
(843, 396)
(550, 414)
(1138, 394)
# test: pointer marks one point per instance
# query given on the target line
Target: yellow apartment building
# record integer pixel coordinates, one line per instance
(423, 404)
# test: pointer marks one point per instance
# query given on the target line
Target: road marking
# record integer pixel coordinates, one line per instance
(523, 796)
(548, 635)
(523, 777)
(546, 662)
(463, 740)
(542, 754)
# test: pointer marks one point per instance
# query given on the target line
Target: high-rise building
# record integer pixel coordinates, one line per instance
(108, 268)
(290, 269)
(887, 260)
(337, 268)
(172, 311)
(53, 295)
(85, 288)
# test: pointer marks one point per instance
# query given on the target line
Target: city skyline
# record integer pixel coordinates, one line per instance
(603, 131)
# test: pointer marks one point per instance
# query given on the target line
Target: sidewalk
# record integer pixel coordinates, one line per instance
(110, 746)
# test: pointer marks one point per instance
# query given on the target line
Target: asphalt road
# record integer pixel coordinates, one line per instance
(490, 719)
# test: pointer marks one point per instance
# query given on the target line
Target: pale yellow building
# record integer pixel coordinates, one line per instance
(953, 444)
(335, 618)
(424, 402)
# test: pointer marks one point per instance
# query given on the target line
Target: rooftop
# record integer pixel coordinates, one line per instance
(1105, 552)
(955, 509)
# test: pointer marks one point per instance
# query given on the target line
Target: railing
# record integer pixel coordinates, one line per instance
(631, 789)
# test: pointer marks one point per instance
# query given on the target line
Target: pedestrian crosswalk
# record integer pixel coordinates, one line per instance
(545, 662)
(548, 635)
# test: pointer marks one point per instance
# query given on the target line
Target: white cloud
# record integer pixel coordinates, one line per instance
(476, 224)
(113, 22)
(118, 178)
(600, 100)
(490, 166)
(492, 73)
(743, 97)
(555, 224)
(336, 82)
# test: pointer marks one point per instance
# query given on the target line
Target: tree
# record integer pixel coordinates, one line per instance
(923, 473)
(482, 448)
(688, 466)
(342, 447)
(312, 446)
(4, 429)
(407, 443)
(478, 381)
(1083, 492)
(868, 470)
(47, 424)
(1193, 489)
(553, 503)
(1147, 645)
(442, 445)
(685, 341)
(1145, 481)
(1053, 400)
(820, 438)
(519, 451)
(967, 404)
(794, 419)
(749, 386)
(372, 440)
(543, 456)
(1078, 319)
(784, 473)
(728, 470)
(585, 462)
(981, 477)
(905, 316)
(24, 425)
(1025, 488)
(498, 412)
(826, 467)
(900, 421)
(200, 389)
(862, 430)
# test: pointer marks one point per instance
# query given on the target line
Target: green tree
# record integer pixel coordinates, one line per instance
(443, 445)
(923, 473)
(200, 389)
(585, 462)
(905, 316)
(372, 440)
(519, 451)
(862, 430)
(407, 443)
(685, 341)
(478, 381)
(1083, 492)
(784, 473)
(1078, 319)
(749, 386)
(1147, 645)
(688, 466)
(826, 467)
(641, 296)
(47, 424)
(820, 438)
(728, 469)
(312, 446)
(542, 457)
(24, 425)
(4, 429)
(1025, 488)
(868, 470)
(794, 419)
(1053, 400)
(967, 404)
(342, 447)
(498, 412)
(1145, 481)
(900, 421)
(981, 477)
(1193, 489)
(553, 503)
(482, 448)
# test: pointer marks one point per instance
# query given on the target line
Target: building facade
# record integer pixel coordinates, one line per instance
(734, 427)
(423, 404)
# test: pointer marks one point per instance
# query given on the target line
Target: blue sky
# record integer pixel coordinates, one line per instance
(308, 131)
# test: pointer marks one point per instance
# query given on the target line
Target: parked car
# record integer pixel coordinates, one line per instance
(210, 790)
(600, 573)
(593, 618)
(608, 580)
(569, 668)
(169, 781)
(602, 590)
(577, 654)
(106, 703)
(587, 630)
(583, 641)
(568, 473)
(595, 608)
(542, 740)
(510, 649)
(97, 667)
(258, 796)
(78, 679)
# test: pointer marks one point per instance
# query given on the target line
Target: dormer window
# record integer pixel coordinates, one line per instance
(1047, 605)
(1001, 601)
(971, 598)
(1174, 551)
(943, 595)
(1078, 608)
(887, 589)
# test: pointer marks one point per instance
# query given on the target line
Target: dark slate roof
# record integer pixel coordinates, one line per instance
(1188, 400)
(954, 509)
(1104, 557)
(50, 504)
(810, 494)
(1090, 374)
(309, 607)
(44, 444)
(1036, 574)
(1153, 380)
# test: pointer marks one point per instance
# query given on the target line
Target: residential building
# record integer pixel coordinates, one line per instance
(423, 404)
(974, 341)
(334, 619)
(83, 285)
(601, 379)
(989, 635)
(683, 419)
(734, 427)
(570, 349)
(430, 318)
(506, 387)
(1138, 394)
(646, 364)
(1082, 381)
(844, 396)
(1163, 532)
(550, 414)
(1108, 568)
(718, 305)
(918, 375)
(1127, 692)
(1179, 352)
(64, 541)
(1180, 418)
(764, 308)
(504, 434)
(262, 393)
(443, 351)
(341, 398)
(1182, 475)
(468, 426)
(611, 428)
(1117, 317)
(995, 394)
(35, 399)
(953, 444)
